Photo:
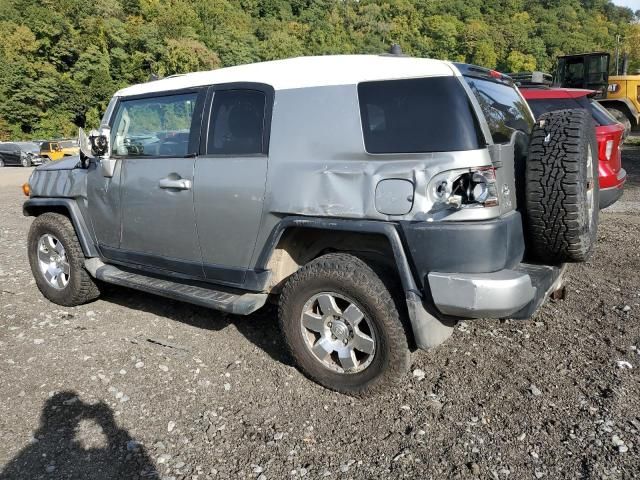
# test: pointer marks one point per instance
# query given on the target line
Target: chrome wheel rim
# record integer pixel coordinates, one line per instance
(53, 262)
(337, 333)
(590, 187)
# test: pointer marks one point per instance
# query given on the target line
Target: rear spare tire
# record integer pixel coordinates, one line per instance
(562, 194)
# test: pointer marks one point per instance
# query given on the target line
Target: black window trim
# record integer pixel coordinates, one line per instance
(269, 93)
(196, 119)
(507, 82)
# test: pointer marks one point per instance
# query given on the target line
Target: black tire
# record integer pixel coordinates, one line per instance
(26, 162)
(562, 218)
(371, 289)
(1, 163)
(81, 288)
(621, 117)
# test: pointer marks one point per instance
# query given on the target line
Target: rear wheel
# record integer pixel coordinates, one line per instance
(343, 326)
(57, 261)
(1, 163)
(621, 117)
(562, 194)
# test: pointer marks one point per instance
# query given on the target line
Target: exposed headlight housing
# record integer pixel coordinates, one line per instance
(464, 188)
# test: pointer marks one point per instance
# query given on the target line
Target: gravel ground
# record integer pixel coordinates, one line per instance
(137, 386)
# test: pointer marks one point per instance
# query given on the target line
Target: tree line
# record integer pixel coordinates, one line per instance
(62, 60)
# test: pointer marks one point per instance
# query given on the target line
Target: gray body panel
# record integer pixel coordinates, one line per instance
(229, 200)
(158, 221)
(104, 209)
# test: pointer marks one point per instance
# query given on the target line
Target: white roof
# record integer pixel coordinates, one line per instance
(303, 72)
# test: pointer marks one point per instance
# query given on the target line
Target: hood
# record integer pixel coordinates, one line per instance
(68, 163)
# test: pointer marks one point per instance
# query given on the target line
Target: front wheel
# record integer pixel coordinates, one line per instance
(57, 261)
(343, 326)
(26, 162)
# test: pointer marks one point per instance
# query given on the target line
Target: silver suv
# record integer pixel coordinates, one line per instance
(378, 199)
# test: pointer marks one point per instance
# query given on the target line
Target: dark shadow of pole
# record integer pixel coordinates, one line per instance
(57, 453)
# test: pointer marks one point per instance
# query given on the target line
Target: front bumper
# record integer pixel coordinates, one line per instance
(509, 293)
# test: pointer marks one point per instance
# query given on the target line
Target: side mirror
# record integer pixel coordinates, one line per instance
(97, 146)
(100, 142)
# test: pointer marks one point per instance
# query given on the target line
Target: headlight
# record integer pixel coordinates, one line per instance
(464, 188)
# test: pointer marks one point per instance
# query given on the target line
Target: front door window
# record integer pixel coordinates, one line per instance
(153, 127)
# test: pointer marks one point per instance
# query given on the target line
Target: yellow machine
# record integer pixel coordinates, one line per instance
(623, 98)
(620, 94)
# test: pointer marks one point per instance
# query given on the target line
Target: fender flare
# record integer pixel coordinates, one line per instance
(429, 327)
(386, 229)
(37, 206)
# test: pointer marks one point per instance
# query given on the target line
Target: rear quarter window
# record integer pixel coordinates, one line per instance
(417, 115)
(503, 107)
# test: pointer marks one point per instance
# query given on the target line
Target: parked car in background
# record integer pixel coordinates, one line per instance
(20, 153)
(51, 150)
(69, 147)
(609, 132)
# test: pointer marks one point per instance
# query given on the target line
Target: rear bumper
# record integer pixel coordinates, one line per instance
(609, 196)
(613, 190)
(510, 293)
(465, 247)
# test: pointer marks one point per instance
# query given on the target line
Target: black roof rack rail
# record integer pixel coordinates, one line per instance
(530, 79)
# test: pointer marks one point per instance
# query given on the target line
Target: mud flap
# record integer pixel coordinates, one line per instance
(428, 330)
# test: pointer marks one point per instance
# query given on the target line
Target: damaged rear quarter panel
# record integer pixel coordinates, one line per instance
(318, 165)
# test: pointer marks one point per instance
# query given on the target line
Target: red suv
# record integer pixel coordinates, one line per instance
(609, 132)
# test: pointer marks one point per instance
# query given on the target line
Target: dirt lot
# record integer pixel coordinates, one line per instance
(136, 386)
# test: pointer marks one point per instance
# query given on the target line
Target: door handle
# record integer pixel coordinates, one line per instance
(175, 183)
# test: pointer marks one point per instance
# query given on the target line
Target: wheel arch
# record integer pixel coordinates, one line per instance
(297, 240)
(68, 207)
(624, 105)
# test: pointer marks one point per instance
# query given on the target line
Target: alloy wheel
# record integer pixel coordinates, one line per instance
(337, 333)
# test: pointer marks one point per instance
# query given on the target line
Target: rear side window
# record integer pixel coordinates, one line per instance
(417, 115)
(237, 123)
(544, 105)
(504, 109)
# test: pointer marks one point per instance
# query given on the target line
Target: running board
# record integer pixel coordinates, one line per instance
(227, 300)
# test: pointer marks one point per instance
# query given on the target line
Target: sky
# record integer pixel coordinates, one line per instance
(632, 4)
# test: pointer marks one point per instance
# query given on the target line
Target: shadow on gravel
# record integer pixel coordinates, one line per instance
(260, 328)
(77, 440)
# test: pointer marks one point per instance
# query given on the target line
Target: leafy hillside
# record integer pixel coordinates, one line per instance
(61, 60)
